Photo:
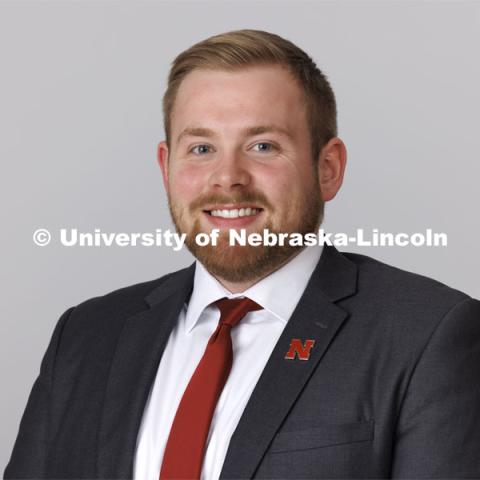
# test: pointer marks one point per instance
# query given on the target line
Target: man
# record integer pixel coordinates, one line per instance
(257, 361)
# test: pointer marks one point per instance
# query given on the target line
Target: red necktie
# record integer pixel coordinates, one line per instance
(185, 447)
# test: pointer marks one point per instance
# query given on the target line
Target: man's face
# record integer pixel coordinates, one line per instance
(240, 157)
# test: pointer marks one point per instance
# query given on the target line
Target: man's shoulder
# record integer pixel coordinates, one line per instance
(130, 294)
(115, 306)
(399, 290)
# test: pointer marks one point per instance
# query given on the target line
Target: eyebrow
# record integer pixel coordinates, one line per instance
(249, 131)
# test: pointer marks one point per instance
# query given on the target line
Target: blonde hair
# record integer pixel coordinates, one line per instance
(244, 48)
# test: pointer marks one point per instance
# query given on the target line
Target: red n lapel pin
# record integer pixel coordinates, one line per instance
(302, 351)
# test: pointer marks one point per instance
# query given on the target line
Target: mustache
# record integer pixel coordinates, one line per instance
(256, 197)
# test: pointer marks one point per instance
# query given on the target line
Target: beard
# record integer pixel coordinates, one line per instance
(243, 263)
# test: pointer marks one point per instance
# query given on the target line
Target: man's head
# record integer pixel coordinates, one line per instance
(251, 128)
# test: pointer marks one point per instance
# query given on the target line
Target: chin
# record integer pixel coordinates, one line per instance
(242, 263)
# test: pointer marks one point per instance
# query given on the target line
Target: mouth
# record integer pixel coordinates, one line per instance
(232, 215)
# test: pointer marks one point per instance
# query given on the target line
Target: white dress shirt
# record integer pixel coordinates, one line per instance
(253, 340)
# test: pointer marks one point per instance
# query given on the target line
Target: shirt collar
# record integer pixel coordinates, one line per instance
(278, 292)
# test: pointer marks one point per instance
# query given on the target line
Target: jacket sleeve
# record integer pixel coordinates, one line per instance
(438, 427)
(28, 459)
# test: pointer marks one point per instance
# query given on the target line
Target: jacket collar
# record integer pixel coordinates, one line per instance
(334, 275)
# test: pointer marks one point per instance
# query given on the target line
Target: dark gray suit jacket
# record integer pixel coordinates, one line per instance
(391, 388)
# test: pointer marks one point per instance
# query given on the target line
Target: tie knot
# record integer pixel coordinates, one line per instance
(234, 309)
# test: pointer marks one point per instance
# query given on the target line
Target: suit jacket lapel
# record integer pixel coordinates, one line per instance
(134, 366)
(315, 317)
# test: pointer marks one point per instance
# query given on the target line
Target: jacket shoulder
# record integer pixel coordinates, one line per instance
(114, 307)
(396, 287)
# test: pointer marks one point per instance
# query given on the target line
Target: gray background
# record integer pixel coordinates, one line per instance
(80, 118)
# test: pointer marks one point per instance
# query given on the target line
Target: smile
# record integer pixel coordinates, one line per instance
(235, 212)
(232, 216)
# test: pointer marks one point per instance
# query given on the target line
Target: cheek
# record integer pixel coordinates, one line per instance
(186, 182)
(280, 187)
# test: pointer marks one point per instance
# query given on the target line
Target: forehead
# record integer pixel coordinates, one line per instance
(224, 100)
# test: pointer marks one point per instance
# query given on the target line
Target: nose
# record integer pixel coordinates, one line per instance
(230, 172)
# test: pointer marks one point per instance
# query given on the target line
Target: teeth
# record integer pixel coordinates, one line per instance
(235, 213)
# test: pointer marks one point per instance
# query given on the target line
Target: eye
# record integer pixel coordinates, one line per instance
(200, 149)
(263, 147)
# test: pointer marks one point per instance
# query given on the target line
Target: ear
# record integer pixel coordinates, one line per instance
(331, 167)
(162, 158)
